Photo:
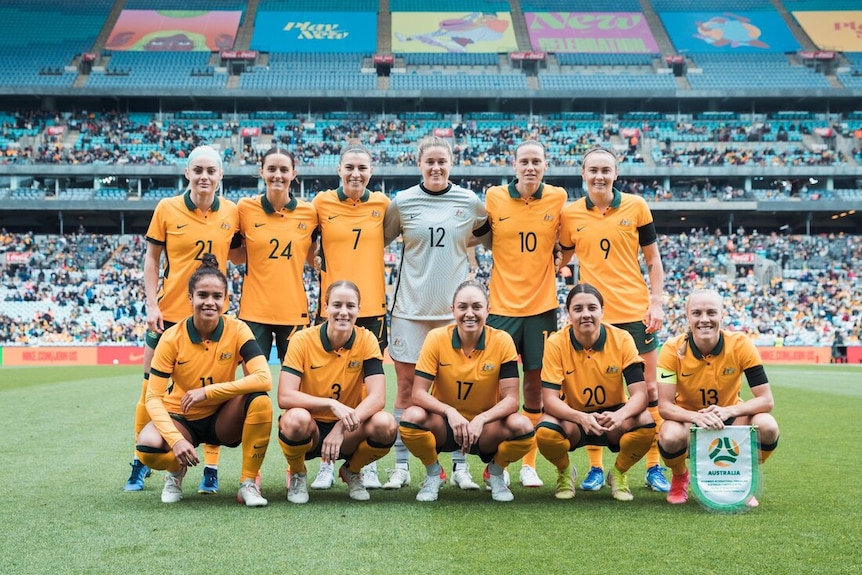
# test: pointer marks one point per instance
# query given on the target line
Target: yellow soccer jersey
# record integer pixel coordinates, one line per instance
(327, 372)
(707, 378)
(589, 380)
(469, 384)
(523, 278)
(351, 246)
(186, 235)
(276, 244)
(607, 246)
(184, 361)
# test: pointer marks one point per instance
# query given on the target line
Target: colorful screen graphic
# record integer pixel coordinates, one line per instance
(174, 31)
(455, 32)
(726, 32)
(592, 32)
(839, 30)
(344, 32)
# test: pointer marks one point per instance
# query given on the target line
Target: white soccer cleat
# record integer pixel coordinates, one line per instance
(398, 478)
(462, 479)
(325, 476)
(249, 493)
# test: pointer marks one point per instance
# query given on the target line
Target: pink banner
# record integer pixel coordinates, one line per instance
(591, 32)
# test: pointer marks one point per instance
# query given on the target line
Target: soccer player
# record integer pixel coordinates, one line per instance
(437, 221)
(465, 397)
(593, 392)
(606, 230)
(700, 376)
(277, 240)
(183, 228)
(333, 391)
(193, 395)
(524, 217)
(351, 231)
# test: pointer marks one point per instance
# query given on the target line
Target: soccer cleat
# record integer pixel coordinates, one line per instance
(462, 479)
(325, 476)
(678, 489)
(398, 478)
(619, 484)
(486, 477)
(656, 480)
(565, 488)
(355, 489)
(135, 482)
(297, 491)
(209, 482)
(249, 493)
(499, 490)
(529, 477)
(369, 477)
(594, 480)
(172, 492)
(430, 488)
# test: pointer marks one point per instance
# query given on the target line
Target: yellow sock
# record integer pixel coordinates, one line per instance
(512, 450)
(633, 446)
(366, 452)
(554, 445)
(534, 417)
(255, 435)
(652, 456)
(676, 462)
(142, 416)
(594, 452)
(295, 452)
(420, 442)
(158, 459)
(211, 454)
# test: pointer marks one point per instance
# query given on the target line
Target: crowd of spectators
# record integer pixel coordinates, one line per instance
(795, 290)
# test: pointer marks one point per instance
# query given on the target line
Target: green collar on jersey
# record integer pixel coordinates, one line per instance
(456, 339)
(615, 203)
(719, 347)
(195, 336)
(598, 346)
(515, 194)
(342, 196)
(267, 205)
(190, 205)
(327, 345)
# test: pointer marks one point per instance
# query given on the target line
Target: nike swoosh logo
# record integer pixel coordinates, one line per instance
(260, 446)
(570, 371)
(181, 226)
(316, 366)
(582, 228)
(504, 219)
(136, 356)
(258, 225)
(183, 362)
(687, 374)
(445, 364)
(663, 374)
(333, 217)
(648, 341)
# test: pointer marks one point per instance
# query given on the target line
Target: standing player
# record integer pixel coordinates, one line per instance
(277, 239)
(193, 395)
(589, 369)
(437, 221)
(606, 230)
(333, 391)
(351, 247)
(524, 217)
(700, 379)
(183, 228)
(465, 397)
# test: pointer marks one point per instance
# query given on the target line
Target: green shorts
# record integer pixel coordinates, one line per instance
(644, 341)
(529, 333)
(263, 335)
(152, 338)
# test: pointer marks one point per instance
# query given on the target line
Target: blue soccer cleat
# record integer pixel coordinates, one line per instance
(594, 480)
(209, 482)
(656, 480)
(135, 482)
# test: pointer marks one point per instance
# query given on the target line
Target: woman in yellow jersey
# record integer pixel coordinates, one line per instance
(607, 230)
(183, 228)
(465, 397)
(351, 247)
(700, 377)
(277, 233)
(333, 391)
(593, 392)
(194, 396)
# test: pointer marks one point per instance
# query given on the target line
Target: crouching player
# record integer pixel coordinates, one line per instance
(700, 376)
(586, 370)
(193, 396)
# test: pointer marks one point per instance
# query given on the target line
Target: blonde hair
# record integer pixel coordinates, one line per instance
(434, 142)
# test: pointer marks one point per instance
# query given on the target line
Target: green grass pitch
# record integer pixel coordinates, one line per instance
(67, 439)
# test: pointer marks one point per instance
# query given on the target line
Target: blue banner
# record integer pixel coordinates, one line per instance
(729, 33)
(345, 32)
